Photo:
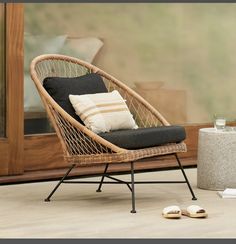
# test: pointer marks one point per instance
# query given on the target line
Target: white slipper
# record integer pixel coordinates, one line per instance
(194, 211)
(171, 212)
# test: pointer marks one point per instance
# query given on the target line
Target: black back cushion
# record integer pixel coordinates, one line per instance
(59, 88)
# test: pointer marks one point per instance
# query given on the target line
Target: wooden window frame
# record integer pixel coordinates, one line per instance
(11, 147)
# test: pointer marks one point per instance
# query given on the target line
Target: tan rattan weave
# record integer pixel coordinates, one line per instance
(80, 145)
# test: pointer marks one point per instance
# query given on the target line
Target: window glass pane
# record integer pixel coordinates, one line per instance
(177, 56)
(2, 72)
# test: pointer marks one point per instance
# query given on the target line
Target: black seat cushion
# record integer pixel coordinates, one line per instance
(61, 87)
(145, 137)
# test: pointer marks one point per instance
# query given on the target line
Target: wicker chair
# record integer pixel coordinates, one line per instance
(85, 147)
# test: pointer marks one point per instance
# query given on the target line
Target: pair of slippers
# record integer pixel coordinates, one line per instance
(192, 211)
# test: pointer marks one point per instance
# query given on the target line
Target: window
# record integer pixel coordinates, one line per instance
(178, 56)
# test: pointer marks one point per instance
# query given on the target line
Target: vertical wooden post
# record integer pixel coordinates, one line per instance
(4, 147)
(15, 86)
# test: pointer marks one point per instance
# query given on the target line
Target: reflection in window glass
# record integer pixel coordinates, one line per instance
(2, 71)
(177, 56)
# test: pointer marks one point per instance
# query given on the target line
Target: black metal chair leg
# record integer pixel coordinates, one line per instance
(186, 179)
(100, 185)
(59, 183)
(132, 184)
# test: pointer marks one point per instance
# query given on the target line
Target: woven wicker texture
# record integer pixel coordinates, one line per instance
(80, 145)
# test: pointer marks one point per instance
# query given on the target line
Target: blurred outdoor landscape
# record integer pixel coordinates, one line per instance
(180, 57)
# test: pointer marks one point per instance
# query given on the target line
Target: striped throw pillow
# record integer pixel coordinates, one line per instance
(103, 112)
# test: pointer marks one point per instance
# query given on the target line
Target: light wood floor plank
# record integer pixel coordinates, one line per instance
(78, 211)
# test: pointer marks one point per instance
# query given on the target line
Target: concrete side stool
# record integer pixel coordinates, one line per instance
(216, 168)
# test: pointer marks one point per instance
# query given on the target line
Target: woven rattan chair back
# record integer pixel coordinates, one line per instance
(80, 144)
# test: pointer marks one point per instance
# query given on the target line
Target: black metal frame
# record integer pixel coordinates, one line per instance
(118, 181)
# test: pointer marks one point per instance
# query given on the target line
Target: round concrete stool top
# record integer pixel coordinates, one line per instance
(216, 168)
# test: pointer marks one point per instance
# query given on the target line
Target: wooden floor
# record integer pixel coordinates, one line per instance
(78, 211)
